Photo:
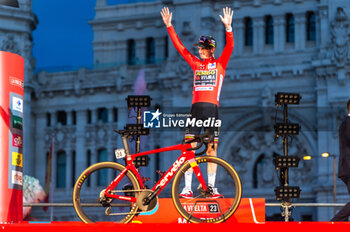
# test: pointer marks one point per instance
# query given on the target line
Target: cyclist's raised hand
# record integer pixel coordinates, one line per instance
(227, 19)
(166, 15)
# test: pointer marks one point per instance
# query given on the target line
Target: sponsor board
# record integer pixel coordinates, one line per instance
(17, 122)
(17, 140)
(17, 177)
(17, 104)
(17, 159)
(16, 82)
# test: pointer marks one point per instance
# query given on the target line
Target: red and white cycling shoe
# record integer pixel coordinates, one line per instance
(186, 193)
(216, 194)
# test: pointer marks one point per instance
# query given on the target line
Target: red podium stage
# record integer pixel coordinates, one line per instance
(251, 210)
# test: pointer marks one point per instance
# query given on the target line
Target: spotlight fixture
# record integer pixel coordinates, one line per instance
(11, 3)
(287, 98)
(287, 129)
(286, 161)
(287, 192)
(138, 101)
(136, 129)
(141, 161)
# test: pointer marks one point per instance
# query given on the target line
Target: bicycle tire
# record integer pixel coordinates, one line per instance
(88, 192)
(196, 210)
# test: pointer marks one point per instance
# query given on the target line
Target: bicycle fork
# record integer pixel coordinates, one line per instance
(198, 173)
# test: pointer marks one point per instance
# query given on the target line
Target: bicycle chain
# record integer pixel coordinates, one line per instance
(108, 209)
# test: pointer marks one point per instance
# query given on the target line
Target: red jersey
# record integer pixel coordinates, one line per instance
(208, 74)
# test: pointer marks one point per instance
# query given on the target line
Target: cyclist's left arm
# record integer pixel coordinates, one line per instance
(227, 21)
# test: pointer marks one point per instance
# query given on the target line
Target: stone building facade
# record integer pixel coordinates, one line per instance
(280, 46)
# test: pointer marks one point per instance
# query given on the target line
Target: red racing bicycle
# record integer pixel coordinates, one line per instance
(109, 191)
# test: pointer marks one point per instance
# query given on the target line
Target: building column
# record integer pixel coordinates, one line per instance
(140, 51)
(256, 35)
(238, 32)
(279, 35)
(80, 150)
(300, 31)
(69, 164)
(94, 116)
(39, 156)
(110, 114)
(93, 161)
(322, 30)
(53, 118)
(121, 52)
(69, 118)
(160, 48)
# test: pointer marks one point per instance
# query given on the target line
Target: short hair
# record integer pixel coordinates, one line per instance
(348, 105)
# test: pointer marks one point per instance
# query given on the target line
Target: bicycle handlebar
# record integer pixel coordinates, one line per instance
(200, 139)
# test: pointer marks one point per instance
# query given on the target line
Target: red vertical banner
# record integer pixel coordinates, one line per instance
(11, 137)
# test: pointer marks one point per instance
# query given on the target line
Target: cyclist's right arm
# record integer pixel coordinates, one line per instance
(180, 47)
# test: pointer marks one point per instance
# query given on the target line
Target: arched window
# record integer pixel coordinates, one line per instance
(150, 51)
(268, 29)
(310, 26)
(102, 174)
(48, 119)
(89, 116)
(102, 114)
(61, 169)
(131, 52)
(248, 31)
(290, 28)
(62, 117)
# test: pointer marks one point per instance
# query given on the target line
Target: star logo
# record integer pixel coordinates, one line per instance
(156, 115)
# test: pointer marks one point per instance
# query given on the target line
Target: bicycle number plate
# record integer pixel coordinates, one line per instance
(119, 153)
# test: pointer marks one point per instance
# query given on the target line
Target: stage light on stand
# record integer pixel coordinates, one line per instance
(287, 129)
(286, 161)
(138, 101)
(141, 161)
(136, 129)
(287, 192)
(287, 98)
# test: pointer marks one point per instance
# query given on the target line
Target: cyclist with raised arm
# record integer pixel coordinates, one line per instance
(208, 78)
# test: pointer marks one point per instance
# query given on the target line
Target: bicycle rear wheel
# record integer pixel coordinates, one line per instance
(89, 204)
(208, 206)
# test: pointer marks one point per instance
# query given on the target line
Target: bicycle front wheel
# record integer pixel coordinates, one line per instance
(88, 198)
(215, 205)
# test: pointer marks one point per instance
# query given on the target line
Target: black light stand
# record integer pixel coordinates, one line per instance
(138, 101)
(285, 192)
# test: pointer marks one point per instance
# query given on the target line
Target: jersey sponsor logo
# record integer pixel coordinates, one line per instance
(202, 66)
(204, 89)
(212, 66)
(205, 78)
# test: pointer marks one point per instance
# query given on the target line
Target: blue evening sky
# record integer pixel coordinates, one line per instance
(63, 38)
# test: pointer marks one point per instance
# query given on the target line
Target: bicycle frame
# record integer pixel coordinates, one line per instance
(186, 155)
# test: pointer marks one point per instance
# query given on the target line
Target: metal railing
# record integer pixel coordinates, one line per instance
(266, 204)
